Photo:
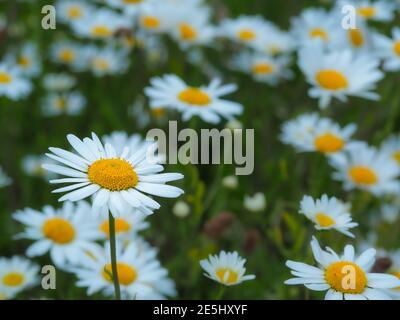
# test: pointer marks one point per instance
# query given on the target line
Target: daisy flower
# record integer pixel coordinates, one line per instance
(72, 10)
(328, 213)
(121, 140)
(116, 182)
(391, 146)
(275, 42)
(395, 270)
(389, 49)
(339, 74)
(366, 168)
(263, 68)
(139, 272)
(378, 10)
(226, 268)
(156, 17)
(32, 166)
(106, 61)
(67, 53)
(12, 84)
(359, 39)
(16, 275)
(63, 232)
(58, 81)
(4, 179)
(170, 91)
(129, 7)
(342, 277)
(27, 59)
(70, 103)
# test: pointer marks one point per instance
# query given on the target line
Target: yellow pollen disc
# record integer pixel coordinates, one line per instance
(158, 112)
(324, 220)
(335, 276)
(363, 175)
(59, 230)
(356, 37)
(262, 68)
(13, 279)
(25, 62)
(331, 80)
(328, 143)
(396, 47)
(101, 64)
(151, 22)
(396, 156)
(397, 274)
(274, 50)
(194, 96)
(366, 12)
(113, 174)
(74, 12)
(246, 34)
(121, 226)
(319, 33)
(101, 31)
(126, 273)
(132, 1)
(60, 104)
(187, 32)
(5, 78)
(66, 55)
(230, 279)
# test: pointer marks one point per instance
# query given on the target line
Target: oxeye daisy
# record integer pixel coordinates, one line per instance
(70, 103)
(62, 232)
(106, 61)
(140, 274)
(366, 168)
(156, 17)
(12, 83)
(129, 7)
(58, 81)
(275, 42)
(378, 10)
(4, 179)
(32, 166)
(389, 49)
(391, 146)
(16, 275)
(27, 59)
(395, 270)
(226, 268)
(72, 10)
(339, 74)
(67, 53)
(358, 39)
(116, 182)
(170, 91)
(342, 277)
(328, 213)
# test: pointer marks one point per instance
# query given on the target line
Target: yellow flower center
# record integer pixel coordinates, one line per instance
(246, 34)
(101, 64)
(366, 12)
(328, 143)
(194, 96)
(346, 277)
(101, 31)
(113, 174)
(158, 112)
(396, 156)
(324, 220)
(126, 273)
(363, 175)
(231, 278)
(121, 226)
(150, 22)
(132, 1)
(319, 33)
(24, 62)
(59, 230)
(60, 103)
(396, 47)
(262, 68)
(5, 78)
(13, 279)
(331, 80)
(187, 32)
(66, 55)
(356, 37)
(274, 50)
(74, 12)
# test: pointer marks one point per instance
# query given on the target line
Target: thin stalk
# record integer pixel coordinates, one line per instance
(113, 253)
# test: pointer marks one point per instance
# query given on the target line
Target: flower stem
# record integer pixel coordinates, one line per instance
(113, 253)
(220, 293)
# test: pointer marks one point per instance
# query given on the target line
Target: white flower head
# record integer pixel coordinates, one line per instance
(13, 84)
(70, 103)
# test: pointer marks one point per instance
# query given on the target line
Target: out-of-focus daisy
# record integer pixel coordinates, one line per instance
(72, 10)
(16, 275)
(58, 81)
(226, 268)
(339, 74)
(63, 232)
(155, 17)
(170, 91)
(342, 277)
(275, 42)
(68, 53)
(121, 140)
(395, 270)
(12, 83)
(140, 274)
(328, 213)
(263, 68)
(389, 49)
(378, 10)
(392, 146)
(4, 179)
(116, 182)
(27, 59)
(309, 132)
(366, 168)
(129, 7)
(106, 61)
(70, 103)
(358, 39)
(32, 166)
(255, 202)
(230, 182)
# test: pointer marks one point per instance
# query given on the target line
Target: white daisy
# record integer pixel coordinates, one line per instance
(70, 103)
(359, 39)
(275, 42)
(378, 10)
(72, 10)
(129, 7)
(226, 268)
(170, 91)
(366, 168)
(27, 59)
(155, 17)
(342, 277)
(255, 203)
(32, 166)
(140, 274)
(63, 232)
(12, 83)
(58, 81)
(4, 179)
(68, 53)
(339, 74)
(389, 49)
(328, 213)
(106, 61)
(395, 270)
(391, 146)
(115, 182)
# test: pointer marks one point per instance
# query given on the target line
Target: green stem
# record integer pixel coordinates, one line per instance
(114, 268)
(220, 293)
